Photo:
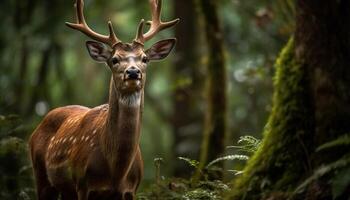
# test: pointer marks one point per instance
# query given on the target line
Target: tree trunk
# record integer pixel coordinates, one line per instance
(22, 18)
(188, 81)
(40, 88)
(310, 107)
(213, 143)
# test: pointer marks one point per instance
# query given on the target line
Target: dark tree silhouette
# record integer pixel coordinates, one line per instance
(213, 144)
(188, 76)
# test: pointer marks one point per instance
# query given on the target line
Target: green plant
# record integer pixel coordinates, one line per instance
(183, 189)
(247, 144)
(339, 169)
(15, 172)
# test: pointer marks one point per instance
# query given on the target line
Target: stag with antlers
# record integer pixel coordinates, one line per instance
(93, 153)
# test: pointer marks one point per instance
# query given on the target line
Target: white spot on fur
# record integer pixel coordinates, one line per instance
(94, 132)
(133, 100)
(69, 151)
(75, 139)
(87, 138)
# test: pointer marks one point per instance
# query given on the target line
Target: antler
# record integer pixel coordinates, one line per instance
(82, 26)
(156, 24)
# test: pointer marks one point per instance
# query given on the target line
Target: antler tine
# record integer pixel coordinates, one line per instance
(139, 33)
(82, 26)
(156, 24)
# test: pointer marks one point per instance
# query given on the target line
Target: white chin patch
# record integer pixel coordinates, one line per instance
(132, 83)
(132, 100)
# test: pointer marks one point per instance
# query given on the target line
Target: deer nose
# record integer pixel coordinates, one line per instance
(133, 73)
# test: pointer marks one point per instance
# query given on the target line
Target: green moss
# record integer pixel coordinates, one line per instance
(280, 160)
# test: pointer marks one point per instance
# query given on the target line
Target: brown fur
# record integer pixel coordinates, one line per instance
(89, 151)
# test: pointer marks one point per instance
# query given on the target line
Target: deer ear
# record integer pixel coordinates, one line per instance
(161, 49)
(98, 51)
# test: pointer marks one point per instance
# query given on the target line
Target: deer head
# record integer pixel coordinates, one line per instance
(127, 61)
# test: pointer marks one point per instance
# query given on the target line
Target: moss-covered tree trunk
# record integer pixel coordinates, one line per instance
(310, 107)
(188, 81)
(213, 143)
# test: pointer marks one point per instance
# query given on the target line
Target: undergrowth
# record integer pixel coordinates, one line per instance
(205, 189)
(338, 170)
(15, 170)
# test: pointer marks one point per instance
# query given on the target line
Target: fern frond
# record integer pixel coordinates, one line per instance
(323, 170)
(247, 143)
(229, 157)
(235, 172)
(191, 162)
(343, 140)
(247, 139)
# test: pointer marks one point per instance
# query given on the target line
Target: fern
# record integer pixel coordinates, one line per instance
(339, 168)
(343, 140)
(323, 170)
(191, 162)
(201, 194)
(247, 144)
(214, 185)
(182, 189)
(235, 172)
(229, 157)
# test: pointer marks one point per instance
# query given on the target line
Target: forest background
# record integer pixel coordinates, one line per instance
(213, 89)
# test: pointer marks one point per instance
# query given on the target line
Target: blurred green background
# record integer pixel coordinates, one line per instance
(44, 65)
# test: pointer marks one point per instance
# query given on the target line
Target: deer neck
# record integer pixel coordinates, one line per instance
(122, 135)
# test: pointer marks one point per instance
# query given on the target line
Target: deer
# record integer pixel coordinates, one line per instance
(93, 153)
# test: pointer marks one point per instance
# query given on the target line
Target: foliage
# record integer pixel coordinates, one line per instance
(343, 140)
(247, 143)
(205, 189)
(226, 158)
(15, 172)
(193, 163)
(339, 170)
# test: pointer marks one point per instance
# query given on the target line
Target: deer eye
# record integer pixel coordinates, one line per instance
(145, 59)
(115, 61)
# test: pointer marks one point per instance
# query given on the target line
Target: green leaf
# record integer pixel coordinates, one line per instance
(323, 170)
(343, 140)
(247, 143)
(193, 163)
(229, 157)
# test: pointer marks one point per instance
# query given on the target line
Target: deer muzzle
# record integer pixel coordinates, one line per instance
(132, 73)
